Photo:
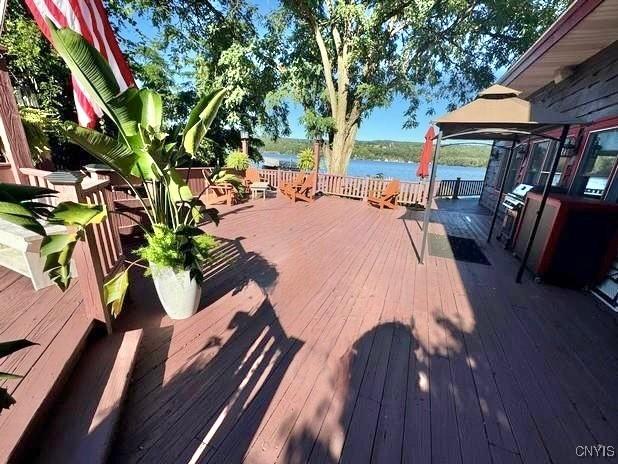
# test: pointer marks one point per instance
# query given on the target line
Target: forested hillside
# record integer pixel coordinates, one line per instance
(388, 150)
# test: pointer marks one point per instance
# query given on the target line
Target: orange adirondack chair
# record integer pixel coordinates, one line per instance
(289, 188)
(218, 193)
(305, 191)
(388, 198)
(251, 177)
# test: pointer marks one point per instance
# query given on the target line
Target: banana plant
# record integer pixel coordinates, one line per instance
(142, 154)
(29, 207)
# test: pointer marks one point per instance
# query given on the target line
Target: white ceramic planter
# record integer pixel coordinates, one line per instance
(178, 292)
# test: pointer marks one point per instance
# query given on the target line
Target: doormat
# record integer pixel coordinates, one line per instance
(458, 248)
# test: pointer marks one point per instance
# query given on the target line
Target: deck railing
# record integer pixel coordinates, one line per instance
(100, 255)
(459, 188)
(411, 193)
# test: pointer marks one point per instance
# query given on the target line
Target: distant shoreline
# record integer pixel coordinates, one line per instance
(391, 151)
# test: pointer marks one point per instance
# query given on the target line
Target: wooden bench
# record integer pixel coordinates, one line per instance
(20, 252)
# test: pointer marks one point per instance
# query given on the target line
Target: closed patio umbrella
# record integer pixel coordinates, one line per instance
(422, 170)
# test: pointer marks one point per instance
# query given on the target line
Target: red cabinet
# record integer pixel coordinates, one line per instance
(576, 242)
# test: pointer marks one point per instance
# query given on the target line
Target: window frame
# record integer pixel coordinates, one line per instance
(612, 179)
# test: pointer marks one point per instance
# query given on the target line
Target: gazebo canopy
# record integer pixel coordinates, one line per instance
(498, 114)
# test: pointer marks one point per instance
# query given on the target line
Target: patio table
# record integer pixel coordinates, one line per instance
(259, 187)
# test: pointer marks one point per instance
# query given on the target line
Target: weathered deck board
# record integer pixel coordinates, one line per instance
(360, 354)
(55, 321)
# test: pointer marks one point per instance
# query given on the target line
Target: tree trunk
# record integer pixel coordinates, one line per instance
(341, 150)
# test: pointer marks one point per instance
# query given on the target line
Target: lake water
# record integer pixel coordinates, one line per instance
(401, 171)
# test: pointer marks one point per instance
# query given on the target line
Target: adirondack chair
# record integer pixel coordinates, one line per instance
(288, 188)
(251, 177)
(305, 191)
(218, 193)
(388, 198)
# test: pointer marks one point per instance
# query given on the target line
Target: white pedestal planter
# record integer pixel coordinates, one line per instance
(178, 292)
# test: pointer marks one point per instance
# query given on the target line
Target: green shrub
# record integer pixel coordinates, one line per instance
(186, 248)
(237, 160)
(305, 160)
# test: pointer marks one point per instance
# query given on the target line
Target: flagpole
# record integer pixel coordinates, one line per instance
(432, 181)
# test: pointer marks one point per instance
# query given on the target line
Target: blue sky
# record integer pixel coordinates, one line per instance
(382, 123)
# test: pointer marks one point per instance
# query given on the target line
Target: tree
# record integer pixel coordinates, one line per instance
(206, 44)
(345, 58)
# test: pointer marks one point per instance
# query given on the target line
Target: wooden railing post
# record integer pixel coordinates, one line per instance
(317, 147)
(365, 188)
(456, 188)
(86, 258)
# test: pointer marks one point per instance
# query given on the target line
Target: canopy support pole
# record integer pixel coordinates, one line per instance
(432, 181)
(502, 185)
(539, 214)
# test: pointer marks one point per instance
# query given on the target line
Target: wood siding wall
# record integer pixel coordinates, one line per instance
(590, 94)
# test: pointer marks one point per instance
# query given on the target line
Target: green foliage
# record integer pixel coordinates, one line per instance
(305, 160)
(223, 177)
(115, 291)
(343, 59)
(237, 160)
(39, 126)
(43, 88)
(389, 150)
(201, 46)
(26, 206)
(184, 249)
(7, 348)
(142, 150)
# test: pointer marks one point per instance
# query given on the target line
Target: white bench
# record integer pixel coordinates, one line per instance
(20, 252)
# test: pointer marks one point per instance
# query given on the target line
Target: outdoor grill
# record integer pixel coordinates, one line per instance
(513, 204)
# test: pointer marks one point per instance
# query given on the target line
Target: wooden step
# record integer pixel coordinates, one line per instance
(82, 424)
(41, 387)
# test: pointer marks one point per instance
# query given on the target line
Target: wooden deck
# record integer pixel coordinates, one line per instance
(323, 340)
(56, 322)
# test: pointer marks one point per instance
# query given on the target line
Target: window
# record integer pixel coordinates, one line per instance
(539, 165)
(597, 166)
(537, 162)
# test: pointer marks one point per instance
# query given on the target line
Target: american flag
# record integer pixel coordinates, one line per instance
(87, 17)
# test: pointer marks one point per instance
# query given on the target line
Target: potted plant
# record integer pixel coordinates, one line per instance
(305, 160)
(146, 157)
(237, 163)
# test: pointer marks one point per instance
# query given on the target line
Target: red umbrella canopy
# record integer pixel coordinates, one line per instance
(423, 163)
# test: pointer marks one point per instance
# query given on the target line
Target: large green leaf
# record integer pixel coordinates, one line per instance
(77, 214)
(200, 119)
(150, 108)
(115, 154)
(18, 192)
(115, 290)
(57, 249)
(18, 214)
(94, 74)
(7, 348)
(178, 188)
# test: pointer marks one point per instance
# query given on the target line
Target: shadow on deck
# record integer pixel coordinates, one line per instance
(322, 339)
